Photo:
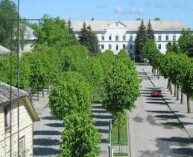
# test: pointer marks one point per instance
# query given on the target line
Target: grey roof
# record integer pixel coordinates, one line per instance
(29, 34)
(4, 50)
(5, 93)
(130, 25)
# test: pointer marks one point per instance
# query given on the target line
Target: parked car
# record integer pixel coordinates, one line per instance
(156, 92)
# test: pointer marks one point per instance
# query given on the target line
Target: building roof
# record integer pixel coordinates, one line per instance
(5, 98)
(130, 25)
(29, 34)
(4, 50)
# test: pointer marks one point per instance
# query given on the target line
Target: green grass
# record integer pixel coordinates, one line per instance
(120, 154)
(114, 136)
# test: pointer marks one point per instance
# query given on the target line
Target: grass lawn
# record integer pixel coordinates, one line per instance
(120, 154)
(114, 136)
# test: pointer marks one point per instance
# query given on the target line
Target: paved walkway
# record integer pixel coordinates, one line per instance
(155, 129)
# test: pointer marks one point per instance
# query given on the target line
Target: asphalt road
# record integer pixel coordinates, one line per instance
(154, 129)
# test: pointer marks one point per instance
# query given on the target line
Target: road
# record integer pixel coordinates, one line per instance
(155, 130)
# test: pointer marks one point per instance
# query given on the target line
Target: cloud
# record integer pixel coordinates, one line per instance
(118, 10)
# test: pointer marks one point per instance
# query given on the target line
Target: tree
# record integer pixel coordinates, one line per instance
(150, 33)
(121, 89)
(140, 40)
(80, 137)
(172, 47)
(54, 31)
(89, 39)
(8, 14)
(186, 42)
(157, 19)
(70, 94)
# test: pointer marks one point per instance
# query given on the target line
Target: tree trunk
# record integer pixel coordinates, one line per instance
(182, 97)
(158, 74)
(119, 136)
(170, 86)
(168, 83)
(188, 103)
(38, 94)
(43, 92)
(177, 98)
(175, 91)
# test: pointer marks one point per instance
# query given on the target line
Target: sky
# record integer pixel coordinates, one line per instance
(175, 10)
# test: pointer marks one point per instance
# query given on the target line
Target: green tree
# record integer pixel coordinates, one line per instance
(70, 94)
(141, 37)
(172, 47)
(8, 11)
(89, 39)
(80, 138)
(186, 42)
(54, 31)
(150, 33)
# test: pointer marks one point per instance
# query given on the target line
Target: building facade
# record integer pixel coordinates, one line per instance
(16, 123)
(117, 35)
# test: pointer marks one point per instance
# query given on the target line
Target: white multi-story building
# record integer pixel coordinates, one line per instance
(117, 35)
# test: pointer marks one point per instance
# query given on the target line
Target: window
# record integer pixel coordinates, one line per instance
(159, 38)
(7, 117)
(131, 38)
(116, 37)
(131, 47)
(110, 37)
(22, 146)
(124, 46)
(124, 38)
(102, 38)
(167, 37)
(117, 47)
(159, 46)
(102, 46)
(110, 46)
(174, 37)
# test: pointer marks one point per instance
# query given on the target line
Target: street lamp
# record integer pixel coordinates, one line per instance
(110, 146)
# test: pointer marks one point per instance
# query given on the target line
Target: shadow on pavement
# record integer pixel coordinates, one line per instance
(47, 132)
(155, 111)
(171, 125)
(55, 125)
(102, 116)
(138, 119)
(46, 142)
(40, 151)
(104, 141)
(101, 123)
(105, 131)
(167, 116)
(48, 118)
(156, 102)
(183, 152)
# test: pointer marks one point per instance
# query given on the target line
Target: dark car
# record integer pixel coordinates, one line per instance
(156, 92)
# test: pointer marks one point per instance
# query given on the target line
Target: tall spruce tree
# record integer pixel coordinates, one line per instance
(89, 39)
(140, 41)
(150, 33)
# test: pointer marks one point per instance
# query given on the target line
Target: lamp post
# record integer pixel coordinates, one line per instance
(110, 146)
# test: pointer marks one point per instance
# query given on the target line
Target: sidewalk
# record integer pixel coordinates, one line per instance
(180, 110)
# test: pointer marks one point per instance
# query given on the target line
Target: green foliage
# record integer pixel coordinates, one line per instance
(8, 11)
(173, 47)
(53, 31)
(121, 88)
(186, 42)
(141, 37)
(89, 39)
(80, 138)
(150, 33)
(70, 94)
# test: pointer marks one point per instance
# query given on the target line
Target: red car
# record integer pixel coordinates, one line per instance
(156, 92)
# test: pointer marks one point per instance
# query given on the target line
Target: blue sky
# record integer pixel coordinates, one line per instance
(180, 10)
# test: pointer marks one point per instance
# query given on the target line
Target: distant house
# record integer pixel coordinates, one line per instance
(4, 50)
(16, 122)
(29, 40)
